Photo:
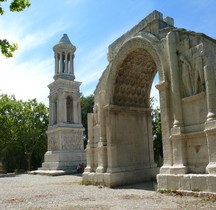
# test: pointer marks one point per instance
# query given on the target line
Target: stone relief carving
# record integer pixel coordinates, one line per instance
(199, 84)
(186, 75)
(134, 78)
(140, 42)
(53, 143)
(72, 140)
(192, 69)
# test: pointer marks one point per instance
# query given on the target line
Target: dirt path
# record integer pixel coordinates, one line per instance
(66, 192)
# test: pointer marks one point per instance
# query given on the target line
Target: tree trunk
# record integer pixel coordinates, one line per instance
(29, 154)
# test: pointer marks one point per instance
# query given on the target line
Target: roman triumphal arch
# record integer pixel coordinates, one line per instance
(120, 146)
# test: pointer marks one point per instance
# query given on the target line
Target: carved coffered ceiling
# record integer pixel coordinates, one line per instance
(134, 79)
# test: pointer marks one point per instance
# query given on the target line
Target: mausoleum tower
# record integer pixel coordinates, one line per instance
(65, 132)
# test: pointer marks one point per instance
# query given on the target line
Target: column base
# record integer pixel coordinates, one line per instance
(178, 170)
(88, 169)
(100, 169)
(121, 178)
(165, 169)
(194, 183)
(211, 168)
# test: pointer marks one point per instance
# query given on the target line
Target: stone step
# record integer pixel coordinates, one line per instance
(59, 165)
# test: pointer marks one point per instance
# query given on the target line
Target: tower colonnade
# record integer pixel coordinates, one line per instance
(64, 62)
(64, 59)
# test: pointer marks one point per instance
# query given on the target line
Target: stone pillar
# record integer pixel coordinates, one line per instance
(61, 63)
(64, 109)
(163, 88)
(79, 112)
(211, 92)
(52, 112)
(75, 115)
(66, 63)
(112, 152)
(178, 149)
(102, 144)
(176, 131)
(210, 130)
(210, 126)
(57, 113)
(71, 63)
(174, 73)
(102, 117)
(55, 110)
(90, 145)
(60, 111)
(56, 63)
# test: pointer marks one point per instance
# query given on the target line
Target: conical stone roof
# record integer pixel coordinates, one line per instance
(65, 40)
(64, 43)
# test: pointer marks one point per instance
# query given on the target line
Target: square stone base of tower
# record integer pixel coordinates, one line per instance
(199, 183)
(61, 162)
(65, 151)
(121, 178)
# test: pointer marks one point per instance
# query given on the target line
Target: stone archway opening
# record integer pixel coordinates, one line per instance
(120, 144)
(130, 114)
(156, 122)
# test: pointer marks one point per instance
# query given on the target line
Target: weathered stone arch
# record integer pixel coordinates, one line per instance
(124, 100)
(142, 43)
(119, 149)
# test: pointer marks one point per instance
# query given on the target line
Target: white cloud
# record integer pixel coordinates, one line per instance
(93, 59)
(27, 76)
(29, 80)
(41, 36)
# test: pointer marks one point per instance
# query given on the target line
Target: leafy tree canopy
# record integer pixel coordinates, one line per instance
(87, 104)
(6, 48)
(22, 133)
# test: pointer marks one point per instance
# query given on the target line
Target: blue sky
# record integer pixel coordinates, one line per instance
(91, 25)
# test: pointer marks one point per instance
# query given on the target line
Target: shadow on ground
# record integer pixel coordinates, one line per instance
(150, 186)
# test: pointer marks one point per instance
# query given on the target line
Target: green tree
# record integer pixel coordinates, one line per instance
(22, 133)
(32, 129)
(157, 134)
(87, 104)
(8, 132)
(8, 49)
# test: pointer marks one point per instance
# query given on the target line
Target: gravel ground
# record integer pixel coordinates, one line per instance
(65, 192)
